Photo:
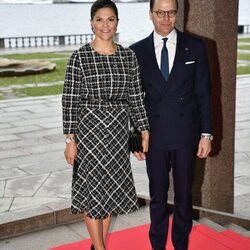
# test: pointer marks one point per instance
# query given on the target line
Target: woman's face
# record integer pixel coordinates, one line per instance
(104, 23)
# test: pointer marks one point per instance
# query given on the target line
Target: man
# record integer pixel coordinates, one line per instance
(176, 80)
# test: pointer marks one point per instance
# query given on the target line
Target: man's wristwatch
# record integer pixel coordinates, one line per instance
(207, 136)
(69, 140)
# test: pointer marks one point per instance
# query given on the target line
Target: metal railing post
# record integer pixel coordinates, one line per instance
(2, 43)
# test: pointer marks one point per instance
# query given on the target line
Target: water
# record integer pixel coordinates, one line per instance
(62, 19)
(244, 12)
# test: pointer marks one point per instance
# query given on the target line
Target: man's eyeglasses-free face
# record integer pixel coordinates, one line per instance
(162, 13)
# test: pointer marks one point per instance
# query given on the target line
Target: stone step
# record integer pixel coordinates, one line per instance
(237, 237)
(220, 228)
(217, 227)
(230, 240)
(232, 233)
(238, 229)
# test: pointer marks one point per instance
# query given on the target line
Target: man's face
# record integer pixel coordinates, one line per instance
(163, 22)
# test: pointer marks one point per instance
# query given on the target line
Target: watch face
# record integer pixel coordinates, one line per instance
(209, 137)
(68, 140)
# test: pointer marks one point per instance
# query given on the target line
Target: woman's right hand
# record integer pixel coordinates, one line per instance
(70, 152)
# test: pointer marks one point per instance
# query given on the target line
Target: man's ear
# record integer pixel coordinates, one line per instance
(150, 14)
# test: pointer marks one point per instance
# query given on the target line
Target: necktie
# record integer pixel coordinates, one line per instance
(164, 59)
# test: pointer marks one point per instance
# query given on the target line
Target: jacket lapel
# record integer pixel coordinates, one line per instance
(178, 61)
(150, 65)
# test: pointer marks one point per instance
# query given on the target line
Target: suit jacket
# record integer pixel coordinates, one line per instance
(179, 109)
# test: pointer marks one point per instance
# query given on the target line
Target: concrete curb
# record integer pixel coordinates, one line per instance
(57, 213)
(46, 216)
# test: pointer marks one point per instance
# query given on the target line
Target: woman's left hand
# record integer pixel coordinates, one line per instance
(145, 140)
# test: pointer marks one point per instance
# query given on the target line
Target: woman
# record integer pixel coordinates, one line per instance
(102, 89)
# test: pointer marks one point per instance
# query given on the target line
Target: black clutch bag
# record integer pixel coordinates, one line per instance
(135, 140)
(75, 168)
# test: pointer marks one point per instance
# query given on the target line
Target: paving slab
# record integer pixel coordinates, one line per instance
(5, 204)
(46, 166)
(56, 184)
(17, 114)
(20, 203)
(240, 157)
(26, 103)
(5, 125)
(20, 129)
(20, 143)
(11, 173)
(243, 169)
(243, 144)
(243, 117)
(243, 124)
(242, 202)
(2, 186)
(24, 186)
(7, 137)
(41, 133)
(47, 125)
(11, 108)
(56, 137)
(243, 133)
(38, 121)
(241, 185)
(47, 112)
(38, 149)
(35, 159)
(13, 153)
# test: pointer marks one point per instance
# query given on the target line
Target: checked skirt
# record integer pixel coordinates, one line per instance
(103, 183)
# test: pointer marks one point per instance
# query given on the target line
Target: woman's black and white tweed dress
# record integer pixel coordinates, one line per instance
(100, 93)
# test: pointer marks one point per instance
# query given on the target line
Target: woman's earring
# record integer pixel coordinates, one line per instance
(92, 29)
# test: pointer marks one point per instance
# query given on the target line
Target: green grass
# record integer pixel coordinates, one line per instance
(39, 91)
(2, 96)
(58, 74)
(242, 70)
(244, 40)
(243, 56)
(52, 76)
(244, 47)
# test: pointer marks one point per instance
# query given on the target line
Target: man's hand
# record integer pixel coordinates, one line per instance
(204, 148)
(145, 140)
(70, 152)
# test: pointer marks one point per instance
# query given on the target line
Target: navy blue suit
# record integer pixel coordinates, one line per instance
(179, 110)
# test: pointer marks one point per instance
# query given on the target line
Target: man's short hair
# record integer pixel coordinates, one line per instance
(152, 2)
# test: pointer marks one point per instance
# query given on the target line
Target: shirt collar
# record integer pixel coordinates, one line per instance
(172, 37)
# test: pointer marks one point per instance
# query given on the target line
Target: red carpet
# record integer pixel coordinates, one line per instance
(201, 237)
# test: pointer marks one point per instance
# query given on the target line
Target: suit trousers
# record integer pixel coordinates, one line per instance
(159, 164)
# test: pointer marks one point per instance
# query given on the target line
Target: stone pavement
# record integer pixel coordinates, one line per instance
(33, 171)
(242, 148)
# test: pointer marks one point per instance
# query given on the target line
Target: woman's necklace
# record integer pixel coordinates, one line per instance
(108, 51)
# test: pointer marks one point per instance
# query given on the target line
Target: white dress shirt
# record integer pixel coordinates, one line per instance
(171, 46)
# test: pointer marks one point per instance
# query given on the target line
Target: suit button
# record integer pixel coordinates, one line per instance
(181, 99)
